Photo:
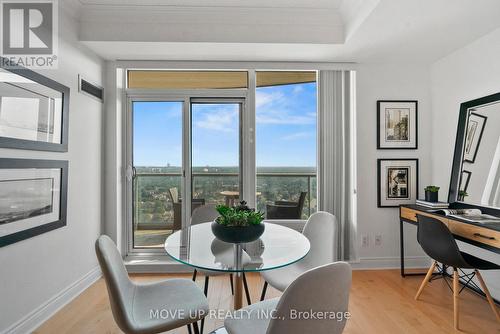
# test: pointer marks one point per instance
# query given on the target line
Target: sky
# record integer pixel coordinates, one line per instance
(285, 130)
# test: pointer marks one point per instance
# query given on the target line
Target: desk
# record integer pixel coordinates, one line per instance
(485, 236)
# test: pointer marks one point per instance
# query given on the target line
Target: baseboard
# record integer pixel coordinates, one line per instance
(374, 263)
(38, 316)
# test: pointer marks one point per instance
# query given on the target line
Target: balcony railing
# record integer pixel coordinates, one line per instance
(153, 207)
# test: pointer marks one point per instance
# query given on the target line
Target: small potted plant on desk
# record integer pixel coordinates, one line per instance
(432, 194)
(461, 195)
(238, 224)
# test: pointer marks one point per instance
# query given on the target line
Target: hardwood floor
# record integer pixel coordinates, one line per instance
(380, 302)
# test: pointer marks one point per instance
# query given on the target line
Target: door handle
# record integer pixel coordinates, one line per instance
(130, 173)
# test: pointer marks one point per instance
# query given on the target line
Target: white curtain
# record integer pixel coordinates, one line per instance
(336, 156)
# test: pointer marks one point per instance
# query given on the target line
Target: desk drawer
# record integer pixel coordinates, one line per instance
(479, 234)
(411, 214)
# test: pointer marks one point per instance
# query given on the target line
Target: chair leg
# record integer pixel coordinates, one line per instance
(247, 293)
(264, 289)
(232, 283)
(455, 298)
(487, 293)
(426, 280)
(205, 290)
(189, 328)
(194, 275)
(195, 327)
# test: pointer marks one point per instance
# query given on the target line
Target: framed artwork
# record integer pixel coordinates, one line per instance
(397, 182)
(464, 180)
(33, 197)
(33, 111)
(475, 129)
(397, 126)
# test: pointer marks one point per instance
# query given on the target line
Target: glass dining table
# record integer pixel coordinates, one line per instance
(197, 247)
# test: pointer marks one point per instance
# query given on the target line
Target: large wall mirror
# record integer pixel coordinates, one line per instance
(33, 110)
(476, 168)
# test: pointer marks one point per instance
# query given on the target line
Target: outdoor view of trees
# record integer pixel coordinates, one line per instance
(153, 205)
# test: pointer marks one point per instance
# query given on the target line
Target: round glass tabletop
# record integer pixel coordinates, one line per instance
(197, 247)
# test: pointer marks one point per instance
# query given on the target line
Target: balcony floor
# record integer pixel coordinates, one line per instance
(150, 238)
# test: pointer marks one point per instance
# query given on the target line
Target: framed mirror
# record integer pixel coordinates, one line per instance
(33, 111)
(475, 179)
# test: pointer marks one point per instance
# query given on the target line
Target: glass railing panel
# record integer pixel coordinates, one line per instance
(156, 216)
(273, 187)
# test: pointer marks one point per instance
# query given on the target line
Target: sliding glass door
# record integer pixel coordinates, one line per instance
(179, 148)
(157, 129)
(215, 151)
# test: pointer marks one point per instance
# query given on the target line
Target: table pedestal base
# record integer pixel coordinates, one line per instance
(238, 278)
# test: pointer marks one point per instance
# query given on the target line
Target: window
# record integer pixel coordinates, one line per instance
(157, 160)
(286, 144)
(185, 143)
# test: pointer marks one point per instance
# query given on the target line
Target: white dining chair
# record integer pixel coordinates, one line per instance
(324, 290)
(322, 230)
(133, 304)
(204, 214)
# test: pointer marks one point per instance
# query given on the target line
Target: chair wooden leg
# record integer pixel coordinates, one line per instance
(456, 291)
(487, 293)
(232, 283)
(426, 280)
(264, 289)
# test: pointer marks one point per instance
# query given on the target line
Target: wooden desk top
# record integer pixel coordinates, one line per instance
(492, 226)
(482, 235)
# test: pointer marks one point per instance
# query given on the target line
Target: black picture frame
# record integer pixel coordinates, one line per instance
(467, 174)
(379, 116)
(379, 182)
(481, 132)
(23, 144)
(6, 163)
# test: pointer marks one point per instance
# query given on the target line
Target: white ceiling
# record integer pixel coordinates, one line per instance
(218, 3)
(283, 30)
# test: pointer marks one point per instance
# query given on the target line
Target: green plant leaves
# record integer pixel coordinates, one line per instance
(240, 215)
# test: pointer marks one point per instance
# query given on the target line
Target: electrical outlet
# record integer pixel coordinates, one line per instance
(365, 240)
(378, 240)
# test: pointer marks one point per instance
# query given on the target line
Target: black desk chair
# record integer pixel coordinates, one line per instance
(438, 242)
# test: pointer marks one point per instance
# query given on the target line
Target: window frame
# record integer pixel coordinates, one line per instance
(248, 168)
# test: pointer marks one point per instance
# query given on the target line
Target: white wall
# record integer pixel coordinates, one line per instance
(36, 270)
(471, 72)
(388, 82)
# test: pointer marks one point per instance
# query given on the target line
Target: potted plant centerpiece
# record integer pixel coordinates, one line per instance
(238, 224)
(431, 193)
